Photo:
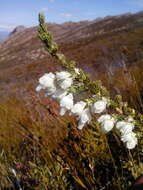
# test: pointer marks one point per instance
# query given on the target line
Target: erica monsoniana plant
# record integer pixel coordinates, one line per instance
(64, 86)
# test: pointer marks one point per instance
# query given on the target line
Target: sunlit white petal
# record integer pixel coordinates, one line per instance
(67, 102)
(84, 118)
(99, 106)
(78, 108)
(104, 117)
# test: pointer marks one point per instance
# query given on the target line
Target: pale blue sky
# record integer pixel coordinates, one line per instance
(16, 12)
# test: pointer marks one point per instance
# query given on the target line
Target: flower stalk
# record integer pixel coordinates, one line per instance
(72, 81)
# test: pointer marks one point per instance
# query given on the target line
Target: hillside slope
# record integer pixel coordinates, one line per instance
(111, 49)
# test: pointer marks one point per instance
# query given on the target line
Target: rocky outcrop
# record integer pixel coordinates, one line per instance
(18, 29)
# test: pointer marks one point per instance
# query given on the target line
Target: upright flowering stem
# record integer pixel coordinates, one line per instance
(98, 100)
(52, 48)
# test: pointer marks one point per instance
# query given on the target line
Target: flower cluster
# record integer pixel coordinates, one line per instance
(125, 128)
(107, 122)
(58, 87)
(127, 134)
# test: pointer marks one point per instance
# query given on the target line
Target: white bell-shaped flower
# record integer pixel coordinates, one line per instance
(84, 117)
(107, 125)
(66, 103)
(107, 122)
(124, 127)
(104, 117)
(128, 137)
(99, 106)
(78, 108)
(47, 80)
(127, 128)
(131, 144)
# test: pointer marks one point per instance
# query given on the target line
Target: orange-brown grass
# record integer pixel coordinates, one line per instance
(25, 127)
(30, 131)
(48, 152)
(18, 120)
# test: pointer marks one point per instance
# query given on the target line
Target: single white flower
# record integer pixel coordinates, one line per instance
(77, 71)
(78, 108)
(84, 117)
(66, 103)
(124, 127)
(131, 144)
(107, 122)
(47, 80)
(63, 75)
(129, 137)
(127, 128)
(64, 84)
(59, 94)
(99, 106)
(107, 125)
(104, 117)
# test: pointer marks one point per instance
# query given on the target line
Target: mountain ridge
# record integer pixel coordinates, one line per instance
(19, 28)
